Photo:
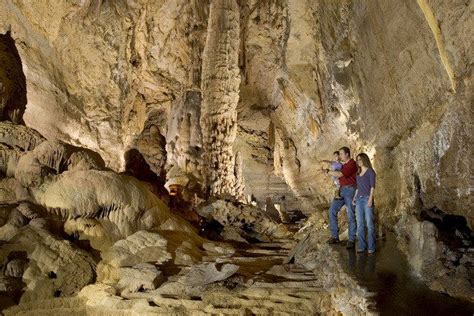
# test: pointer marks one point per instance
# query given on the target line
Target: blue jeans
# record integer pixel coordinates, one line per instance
(365, 217)
(347, 194)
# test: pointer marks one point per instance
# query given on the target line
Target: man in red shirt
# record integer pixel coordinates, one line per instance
(347, 180)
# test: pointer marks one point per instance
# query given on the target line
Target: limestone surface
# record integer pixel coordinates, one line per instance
(146, 142)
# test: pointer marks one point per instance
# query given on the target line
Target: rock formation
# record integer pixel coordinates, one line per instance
(220, 88)
(164, 156)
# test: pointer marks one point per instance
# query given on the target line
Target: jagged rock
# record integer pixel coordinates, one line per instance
(246, 217)
(151, 142)
(19, 137)
(4, 214)
(138, 248)
(119, 203)
(51, 158)
(314, 253)
(73, 268)
(15, 268)
(221, 249)
(8, 160)
(184, 140)
(27, 210)
(30, 172)
(433, 260)
(206, 273)
(187, 183)
(81, 160)
(12, 191)
(15, 221)
(39, 223)
(143, 276)
(186, 254)
(233, 233)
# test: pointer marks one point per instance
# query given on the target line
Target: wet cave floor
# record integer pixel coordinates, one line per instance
(396, 290)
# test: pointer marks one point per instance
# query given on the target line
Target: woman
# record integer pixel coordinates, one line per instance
(364, 201)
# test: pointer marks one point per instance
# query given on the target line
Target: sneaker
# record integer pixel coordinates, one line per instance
(333, 241)
(360, 251)
(371, 253)
(350, 245)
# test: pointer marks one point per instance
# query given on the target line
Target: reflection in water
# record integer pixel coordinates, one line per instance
(361, 263)
(388, 275)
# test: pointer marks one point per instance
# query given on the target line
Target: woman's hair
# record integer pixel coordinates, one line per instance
(365, 161)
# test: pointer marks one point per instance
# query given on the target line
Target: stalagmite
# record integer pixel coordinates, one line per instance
(220, 91)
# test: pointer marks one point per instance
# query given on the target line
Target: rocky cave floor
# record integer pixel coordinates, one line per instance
(294, 272)
(77, 238)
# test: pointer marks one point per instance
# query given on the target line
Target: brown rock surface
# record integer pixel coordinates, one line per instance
(229, 99)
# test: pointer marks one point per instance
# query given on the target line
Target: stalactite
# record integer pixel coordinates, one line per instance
(220, 90)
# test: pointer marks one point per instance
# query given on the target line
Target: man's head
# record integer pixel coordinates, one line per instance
(344, 153)
(336, 156)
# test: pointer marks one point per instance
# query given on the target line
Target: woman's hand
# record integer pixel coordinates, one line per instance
(370, 203)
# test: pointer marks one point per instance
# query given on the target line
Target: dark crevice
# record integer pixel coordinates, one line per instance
(453, 229)
(418, 192)
(12, 82)
(136, 166)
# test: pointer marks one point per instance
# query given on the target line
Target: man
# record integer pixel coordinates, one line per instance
(347, 181)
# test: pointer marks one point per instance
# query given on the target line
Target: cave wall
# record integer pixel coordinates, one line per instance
(95, 74)
(403, 92)
(391, 78)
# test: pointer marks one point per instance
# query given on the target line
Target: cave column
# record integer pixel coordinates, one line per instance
(220, 91)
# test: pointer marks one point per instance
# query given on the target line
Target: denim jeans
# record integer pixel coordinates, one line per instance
(347, 194)
(365, 217)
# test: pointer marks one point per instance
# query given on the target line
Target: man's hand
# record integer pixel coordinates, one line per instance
(369, 203)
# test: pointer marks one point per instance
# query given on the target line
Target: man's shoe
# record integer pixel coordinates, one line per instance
(333, 241)
(360, 251)
(371, 253)
(350, 245)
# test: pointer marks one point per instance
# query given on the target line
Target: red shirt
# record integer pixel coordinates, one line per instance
(349, 171)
